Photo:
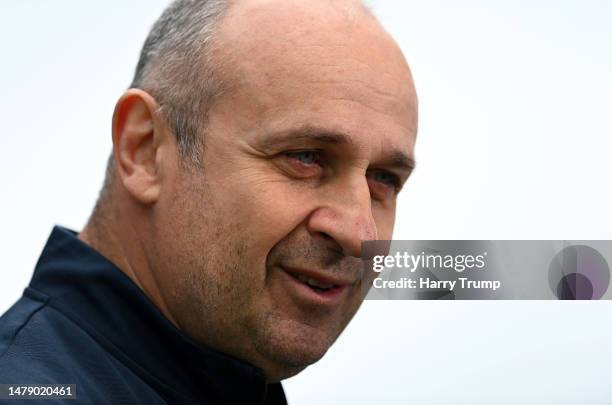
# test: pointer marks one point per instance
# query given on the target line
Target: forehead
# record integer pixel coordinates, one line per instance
(322, 63)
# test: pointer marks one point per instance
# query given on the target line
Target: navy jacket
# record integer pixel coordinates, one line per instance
(82, 321)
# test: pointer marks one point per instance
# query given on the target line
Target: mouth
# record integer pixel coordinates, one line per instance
(315, 287)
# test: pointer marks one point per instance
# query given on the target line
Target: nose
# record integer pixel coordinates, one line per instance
(345, 217)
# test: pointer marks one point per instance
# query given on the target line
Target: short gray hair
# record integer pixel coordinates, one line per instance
(176, 68)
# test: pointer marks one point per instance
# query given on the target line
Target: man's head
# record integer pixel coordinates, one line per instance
(250, 163)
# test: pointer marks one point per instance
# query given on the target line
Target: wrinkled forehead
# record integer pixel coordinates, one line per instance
(317, 55)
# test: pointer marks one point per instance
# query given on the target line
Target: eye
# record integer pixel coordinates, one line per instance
(303, 164)
(306, 157)
(385, 178)
(383, 184)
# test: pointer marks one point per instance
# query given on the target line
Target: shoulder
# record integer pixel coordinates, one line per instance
(37, 344)
(40, 345)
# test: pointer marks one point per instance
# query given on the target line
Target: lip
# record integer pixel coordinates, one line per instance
(305, 293)
(318, 276)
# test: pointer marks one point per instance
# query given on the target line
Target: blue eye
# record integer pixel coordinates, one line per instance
(307, 157)
(386, 178)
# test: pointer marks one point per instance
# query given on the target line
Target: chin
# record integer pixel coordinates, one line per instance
(285, 363)
(290, 348)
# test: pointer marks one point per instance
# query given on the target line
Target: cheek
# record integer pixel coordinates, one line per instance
(385, 220)
(266, 212)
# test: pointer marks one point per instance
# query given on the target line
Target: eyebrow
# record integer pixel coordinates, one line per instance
(401, 160)
(307, 133)
(397, 158)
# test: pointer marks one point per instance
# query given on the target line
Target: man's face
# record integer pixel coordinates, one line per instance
(258, 252)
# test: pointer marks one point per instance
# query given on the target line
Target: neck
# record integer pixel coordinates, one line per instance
(115, 237)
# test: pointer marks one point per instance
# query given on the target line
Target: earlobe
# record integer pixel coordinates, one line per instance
(137, 137)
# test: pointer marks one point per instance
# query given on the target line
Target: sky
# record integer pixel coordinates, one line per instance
(514, 143)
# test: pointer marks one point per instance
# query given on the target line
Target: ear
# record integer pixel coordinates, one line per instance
(138, 134)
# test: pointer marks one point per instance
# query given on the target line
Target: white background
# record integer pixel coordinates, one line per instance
(514, 143)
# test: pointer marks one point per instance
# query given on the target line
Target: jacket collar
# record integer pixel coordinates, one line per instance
(95, 294)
